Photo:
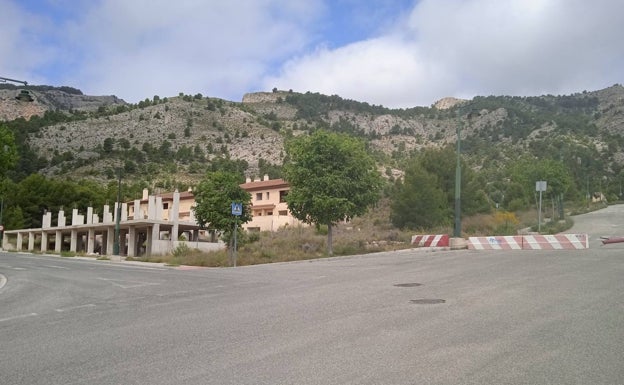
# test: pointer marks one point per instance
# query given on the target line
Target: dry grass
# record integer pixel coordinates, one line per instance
(372, 232)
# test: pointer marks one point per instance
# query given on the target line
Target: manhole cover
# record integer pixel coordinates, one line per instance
(427, 301)
(413, 284)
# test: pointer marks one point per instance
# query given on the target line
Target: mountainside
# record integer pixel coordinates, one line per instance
(175, 139)
(47, 98)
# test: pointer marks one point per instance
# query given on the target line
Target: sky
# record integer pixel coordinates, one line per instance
(395, 53)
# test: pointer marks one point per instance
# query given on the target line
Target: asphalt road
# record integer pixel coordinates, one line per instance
(493, 317)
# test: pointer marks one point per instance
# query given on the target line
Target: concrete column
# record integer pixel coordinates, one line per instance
(159, 209)
(31, 241)
(106, 215)
(124, 211)
(131, 241)
(195, 235)
(110, 240)
(137, 209)
(58, 241)
(18, 242)
(91, 241)
(115, 213)
(5, 242)
(46, 223)
(174, 216)
(89, 215)
(151, 207)
(44, 241)
(151, 246)
(73, 241)
(61, 218)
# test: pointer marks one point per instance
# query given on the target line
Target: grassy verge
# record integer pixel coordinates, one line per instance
(372, 232)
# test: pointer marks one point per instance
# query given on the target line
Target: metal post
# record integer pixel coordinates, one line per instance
(235, 226)
(457, 230)
(539, 213)
(118, 218)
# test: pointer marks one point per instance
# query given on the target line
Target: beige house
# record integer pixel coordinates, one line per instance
(269, 209)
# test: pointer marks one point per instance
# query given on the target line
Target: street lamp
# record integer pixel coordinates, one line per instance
(457, 229)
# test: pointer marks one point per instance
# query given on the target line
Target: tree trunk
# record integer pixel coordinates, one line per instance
(330, 250)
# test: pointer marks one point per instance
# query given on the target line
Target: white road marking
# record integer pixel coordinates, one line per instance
(18, 317)
(128, 284)
(75, 307)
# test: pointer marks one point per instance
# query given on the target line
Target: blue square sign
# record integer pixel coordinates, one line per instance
(237, 209)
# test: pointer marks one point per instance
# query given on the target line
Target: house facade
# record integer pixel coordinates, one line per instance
(268, 205)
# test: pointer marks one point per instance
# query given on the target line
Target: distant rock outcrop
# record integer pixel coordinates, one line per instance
(54, 99)
(446, 103)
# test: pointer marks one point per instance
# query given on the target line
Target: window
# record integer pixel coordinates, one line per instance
(258, 196)
(282, 212)
(269, 213)
(283, 194)
(165, 206)
(267, 195)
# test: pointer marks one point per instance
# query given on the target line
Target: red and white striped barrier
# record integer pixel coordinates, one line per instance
(440, 240)
(530, 242)
(511, 242)
(556, 242)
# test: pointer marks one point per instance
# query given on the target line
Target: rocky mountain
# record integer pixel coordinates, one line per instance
(177, 138)
(45, 98)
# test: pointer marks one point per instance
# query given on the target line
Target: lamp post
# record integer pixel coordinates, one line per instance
(457, 229)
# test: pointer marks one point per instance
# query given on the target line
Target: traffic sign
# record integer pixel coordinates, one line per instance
(237, 209)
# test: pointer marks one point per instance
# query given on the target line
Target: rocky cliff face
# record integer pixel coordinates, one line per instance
(193, 132)
(12, 108)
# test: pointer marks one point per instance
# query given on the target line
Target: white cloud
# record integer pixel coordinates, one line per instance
(136, 49)
(404, 57)
(467, 48)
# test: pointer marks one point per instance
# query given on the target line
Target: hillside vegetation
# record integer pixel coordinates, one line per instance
(169, 142)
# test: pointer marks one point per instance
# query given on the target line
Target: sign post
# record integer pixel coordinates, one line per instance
(540, 186)
(237, 211)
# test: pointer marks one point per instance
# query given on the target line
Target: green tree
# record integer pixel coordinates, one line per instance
(332, 177)
(418, 201)
(108, 145)
(526, 171)
(214, 196)
(8, 150)
(441, 163)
